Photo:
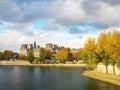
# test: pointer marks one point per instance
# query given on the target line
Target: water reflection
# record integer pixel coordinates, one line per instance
(48, 78)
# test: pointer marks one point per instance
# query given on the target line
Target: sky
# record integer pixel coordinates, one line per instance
(64, 22)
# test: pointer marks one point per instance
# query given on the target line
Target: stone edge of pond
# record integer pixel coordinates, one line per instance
(111, 79)
(59, 65)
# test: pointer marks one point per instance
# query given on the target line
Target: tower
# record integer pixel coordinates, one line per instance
(49, 45)
(34, 44)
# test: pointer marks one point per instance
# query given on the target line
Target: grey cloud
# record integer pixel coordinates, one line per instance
(94, 6)
(64, 12)
(112, 2)
(91, 6)
(24, 12)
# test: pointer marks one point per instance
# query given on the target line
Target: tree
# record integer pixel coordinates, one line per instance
(1, 56)
(15, 56)
(22, 57)
(59, 55)
(63, 54)
(41, 55)
(102, 49)
(118, 64)
(79, 54)
(89, 53)
(113, 47)
(48, 54)
(74, 56)
(8, 54)
(30, 55)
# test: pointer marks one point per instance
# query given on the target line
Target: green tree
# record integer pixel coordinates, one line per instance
(22, 57)
(30, 55)
(1, 56)
(48, 54)
(15, 56)
(118, 64)
(8, 54)
(79, 54)
(41, 55)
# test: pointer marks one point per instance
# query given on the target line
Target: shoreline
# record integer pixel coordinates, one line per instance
(26, 63)
(56, 65)
(107, 78)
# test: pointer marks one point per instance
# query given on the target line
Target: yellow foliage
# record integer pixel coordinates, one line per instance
(90, 45)
(113, 45)
(102, 41)
(62, 54)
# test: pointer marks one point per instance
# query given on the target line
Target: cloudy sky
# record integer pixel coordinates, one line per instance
(64, 22)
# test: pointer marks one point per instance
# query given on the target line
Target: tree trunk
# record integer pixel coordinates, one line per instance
(106, 69)
(114, 69)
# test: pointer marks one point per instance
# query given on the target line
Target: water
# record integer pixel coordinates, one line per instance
(48, 78)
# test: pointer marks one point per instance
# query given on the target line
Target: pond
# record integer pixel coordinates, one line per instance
(48, 78)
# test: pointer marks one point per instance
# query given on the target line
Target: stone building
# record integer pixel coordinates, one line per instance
(25, 48)
(36, 48)
(53, 47)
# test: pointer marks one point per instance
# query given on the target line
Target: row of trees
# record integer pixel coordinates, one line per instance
(7, 54)
(43, 55)
(105, 50)
(62, 55)
(65, 54)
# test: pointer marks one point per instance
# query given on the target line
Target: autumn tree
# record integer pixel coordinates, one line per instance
(89, 53)
(30, 55)
(63, 54)
(8, 54)
(59, 55)
(74, 56)
(118, 64)
(102, 49)
(48, 54)
(113, 47)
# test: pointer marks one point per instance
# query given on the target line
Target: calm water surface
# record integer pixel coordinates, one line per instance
(48, 78)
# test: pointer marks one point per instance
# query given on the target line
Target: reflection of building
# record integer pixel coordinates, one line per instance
(36, 48)
(25, 48)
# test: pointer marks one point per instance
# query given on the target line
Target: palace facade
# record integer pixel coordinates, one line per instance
(36, 48)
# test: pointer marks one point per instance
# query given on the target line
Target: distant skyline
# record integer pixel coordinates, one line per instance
(64, 22)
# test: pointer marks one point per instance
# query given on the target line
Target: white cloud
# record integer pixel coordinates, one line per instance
(19, 19)
(12, 39)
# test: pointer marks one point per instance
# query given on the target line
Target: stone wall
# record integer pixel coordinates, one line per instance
(112, 79)
(102, 69)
